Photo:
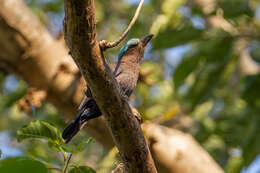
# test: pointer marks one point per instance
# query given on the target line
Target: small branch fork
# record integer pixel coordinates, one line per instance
(104, 44)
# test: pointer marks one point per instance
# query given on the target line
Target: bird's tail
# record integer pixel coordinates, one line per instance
(74, 127)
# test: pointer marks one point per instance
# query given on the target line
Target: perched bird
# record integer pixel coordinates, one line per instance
(126, 72)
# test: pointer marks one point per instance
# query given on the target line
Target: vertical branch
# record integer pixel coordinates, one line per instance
(80, 35)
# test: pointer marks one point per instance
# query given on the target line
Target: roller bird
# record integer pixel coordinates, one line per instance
(125, 70)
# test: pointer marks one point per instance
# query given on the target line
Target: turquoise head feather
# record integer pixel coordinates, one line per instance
(130, 43)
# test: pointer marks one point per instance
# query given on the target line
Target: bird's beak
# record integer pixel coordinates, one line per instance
(146, 39)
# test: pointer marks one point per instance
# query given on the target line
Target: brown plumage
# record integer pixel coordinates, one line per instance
(125, 71)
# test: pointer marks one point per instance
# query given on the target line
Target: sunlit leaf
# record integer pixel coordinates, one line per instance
(41, 130)
(175, 37)
(75, 148)
(242, 8)
(234, 164)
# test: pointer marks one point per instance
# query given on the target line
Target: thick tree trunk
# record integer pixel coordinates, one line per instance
(28, 50)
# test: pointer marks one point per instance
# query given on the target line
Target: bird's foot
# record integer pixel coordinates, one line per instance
(123, 95)
(137, 115)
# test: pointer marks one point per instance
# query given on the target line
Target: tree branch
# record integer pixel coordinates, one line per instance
(104, 44)
(21, 32)
(178, 152)
(80, 36)
(30, 52)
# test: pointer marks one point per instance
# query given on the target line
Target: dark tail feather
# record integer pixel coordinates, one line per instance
(73, 128)
(86, 113)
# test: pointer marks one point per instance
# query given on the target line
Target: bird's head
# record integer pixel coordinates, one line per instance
(135, 48)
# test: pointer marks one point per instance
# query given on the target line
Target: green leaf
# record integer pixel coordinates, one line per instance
(217, 47)
(186, 66)
(242, 8)
(206, 81)
(40, 129)
(54, 6)
(174, 37)
(251, 92)
(234, 164)
(82, 169)
(55, 146)
(21, 165)
(75, 148)
(252, 149)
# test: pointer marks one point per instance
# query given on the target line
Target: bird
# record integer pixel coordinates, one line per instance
(125, 70)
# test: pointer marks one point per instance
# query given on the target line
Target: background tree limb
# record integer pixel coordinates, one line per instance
(21, 32)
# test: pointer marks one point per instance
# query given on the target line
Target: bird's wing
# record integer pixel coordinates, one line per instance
(83, 103)
(126, 82)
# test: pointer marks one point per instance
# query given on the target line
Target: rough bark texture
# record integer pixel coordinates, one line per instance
(80, 36)
(28, 50)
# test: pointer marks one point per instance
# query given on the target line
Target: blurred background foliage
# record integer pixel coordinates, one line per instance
(193, 68)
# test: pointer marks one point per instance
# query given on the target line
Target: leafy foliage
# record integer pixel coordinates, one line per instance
(75, 148)
(40, 129)
(206, 82)
(21, 164)
(43, 130)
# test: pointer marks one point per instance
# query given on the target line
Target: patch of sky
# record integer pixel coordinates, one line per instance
(174, 55)
(218, 106)
(135, 1)
(46, 1)
(257, 12)
(185, 11)
(10, 84)
(155, 91)
(55, 22)
(6, 147)
(198, 22)
(148, 53)
(235, 152)
(137, 101)
(254, 167)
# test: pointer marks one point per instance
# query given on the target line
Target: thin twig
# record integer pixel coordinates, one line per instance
(104, 44)
(67, 163)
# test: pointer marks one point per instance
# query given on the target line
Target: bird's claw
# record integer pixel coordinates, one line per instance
(137, 115)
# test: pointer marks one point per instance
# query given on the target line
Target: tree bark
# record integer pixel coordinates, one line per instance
(177, 152)
(80, 35)
(28, 50)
